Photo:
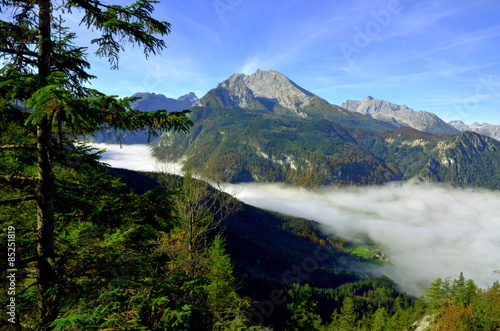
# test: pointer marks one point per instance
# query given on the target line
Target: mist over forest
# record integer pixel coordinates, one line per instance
(426, 230)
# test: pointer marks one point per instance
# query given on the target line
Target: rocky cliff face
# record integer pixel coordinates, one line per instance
(466, 159)
(490, 130)
(399, 115)
(273, 86)
(265, 128)
(263, 89)
(272, 92)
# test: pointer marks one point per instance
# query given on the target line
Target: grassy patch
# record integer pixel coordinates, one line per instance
(368, 252)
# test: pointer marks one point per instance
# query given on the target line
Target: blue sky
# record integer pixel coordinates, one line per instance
(441, 56)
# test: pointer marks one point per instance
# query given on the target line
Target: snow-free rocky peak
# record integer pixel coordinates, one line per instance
(152, 101)
(268, 88)
(487, 129)
(399, 115)
(191, 97)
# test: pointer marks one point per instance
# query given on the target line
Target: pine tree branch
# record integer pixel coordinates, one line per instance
(10, 179)
(18, 146)
(18, 52)
(18, 200)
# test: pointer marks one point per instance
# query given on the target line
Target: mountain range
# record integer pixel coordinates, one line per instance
(402, 116)
(153, 101)
(265, 128)
(399, 115)
(146, 102)
(487, 129)
(272, 92)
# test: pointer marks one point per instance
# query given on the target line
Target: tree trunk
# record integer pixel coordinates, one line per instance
(45, 228)
(46, 184)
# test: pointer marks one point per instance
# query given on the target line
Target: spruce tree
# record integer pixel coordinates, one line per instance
(380, 319)
(347, 318)
(303, 310)
(45, 74)
(225, 304)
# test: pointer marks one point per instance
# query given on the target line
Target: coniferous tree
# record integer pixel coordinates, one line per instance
(225, 304)
(398, 320)
(346, 320)
(438, 292)
(380, 319)
(463, 290)
(303, 309)
(45, 73)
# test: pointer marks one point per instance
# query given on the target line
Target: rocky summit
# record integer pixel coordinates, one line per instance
(490, 130)
(266, 89)
(265, 128)
(399, 115)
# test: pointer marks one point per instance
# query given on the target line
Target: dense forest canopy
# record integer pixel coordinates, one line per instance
(94, 248)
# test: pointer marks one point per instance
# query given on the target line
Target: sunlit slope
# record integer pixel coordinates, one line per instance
(240, 145)
(265, 128)
(237, 145)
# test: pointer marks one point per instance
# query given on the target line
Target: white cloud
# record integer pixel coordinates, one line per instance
(134, 157)
(429, 231)
(251, 65)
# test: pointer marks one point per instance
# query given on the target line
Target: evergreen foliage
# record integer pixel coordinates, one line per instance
(303, 310)
(114, 249)
(42, 87)
(460, 305)
(346, 319)
(246, 145)
(103, 249)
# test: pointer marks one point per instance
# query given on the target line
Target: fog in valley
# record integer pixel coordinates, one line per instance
(426, 230)
(134, 157)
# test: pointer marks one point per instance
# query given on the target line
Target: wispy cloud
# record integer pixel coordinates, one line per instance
(291, 43)
(251, 65)
(423, 15)
(428, 231)
(469, 39)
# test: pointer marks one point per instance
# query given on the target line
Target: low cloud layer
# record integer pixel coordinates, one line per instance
(134, 157)
(429, 231)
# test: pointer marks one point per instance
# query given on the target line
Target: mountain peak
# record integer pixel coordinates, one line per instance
(262, 89)
(191, 96)
(260, 82)
(490, 130)
(152, 101)
(399, 115)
